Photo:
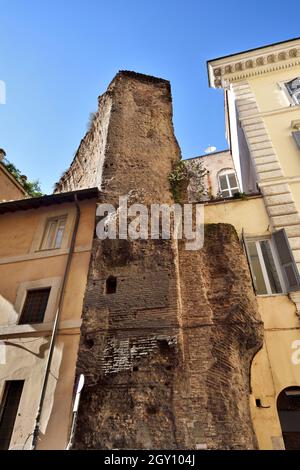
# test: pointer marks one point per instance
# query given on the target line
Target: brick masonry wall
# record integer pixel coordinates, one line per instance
(222, 331)
(129, 346)
(167, 356)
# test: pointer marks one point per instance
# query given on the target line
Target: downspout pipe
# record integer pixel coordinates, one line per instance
(55, 327)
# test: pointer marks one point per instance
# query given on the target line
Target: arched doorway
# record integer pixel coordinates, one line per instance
(288, 406)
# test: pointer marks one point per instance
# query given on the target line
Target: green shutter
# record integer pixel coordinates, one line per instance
(296, 135)
(286, 259)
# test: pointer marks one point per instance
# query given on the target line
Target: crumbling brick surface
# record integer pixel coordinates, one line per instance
(222, 332)
(130, 145)
(167, 356)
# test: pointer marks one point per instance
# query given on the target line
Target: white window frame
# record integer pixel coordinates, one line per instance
(291, 100)
(39, 231)
(226, 172)
(45, 236)
(257, 241)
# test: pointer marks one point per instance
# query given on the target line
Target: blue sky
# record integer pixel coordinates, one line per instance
(57, 56)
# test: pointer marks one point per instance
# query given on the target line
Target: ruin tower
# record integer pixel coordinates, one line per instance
(168, 334)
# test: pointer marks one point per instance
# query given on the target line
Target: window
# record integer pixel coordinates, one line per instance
(272, 264)
(111, 285)
(228, 183)
(296, 136)
(287, 262)
(293, 89)
(35, 306)
(8, 410)
(264, 270)
(53, 233)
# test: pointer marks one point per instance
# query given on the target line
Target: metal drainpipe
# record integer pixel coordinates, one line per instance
(229, 123)
(55, 327)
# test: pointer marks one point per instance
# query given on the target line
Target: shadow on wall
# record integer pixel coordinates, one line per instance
(8, 315)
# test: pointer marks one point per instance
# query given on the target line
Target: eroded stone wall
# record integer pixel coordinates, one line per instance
(166, 354)
(129, 347)
(222, 331)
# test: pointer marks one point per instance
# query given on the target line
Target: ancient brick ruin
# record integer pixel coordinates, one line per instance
(168, 335)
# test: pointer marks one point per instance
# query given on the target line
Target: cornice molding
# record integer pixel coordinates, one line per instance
(229, 70)
(280, 180)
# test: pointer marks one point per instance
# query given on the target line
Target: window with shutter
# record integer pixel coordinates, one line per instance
(296, 135)
(293, 89)
(264, 266)
(286, 259)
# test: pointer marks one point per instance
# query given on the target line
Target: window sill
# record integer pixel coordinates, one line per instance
(42, 250)
(283, 294)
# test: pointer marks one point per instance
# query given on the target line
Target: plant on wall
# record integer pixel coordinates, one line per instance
(31, 187)
(91, 120)
(185, 173)
(239, 195)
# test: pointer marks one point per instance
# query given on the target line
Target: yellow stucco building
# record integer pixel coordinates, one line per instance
(45, 248)
(262, 102)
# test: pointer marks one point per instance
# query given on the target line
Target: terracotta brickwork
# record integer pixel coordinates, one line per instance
(166, 354)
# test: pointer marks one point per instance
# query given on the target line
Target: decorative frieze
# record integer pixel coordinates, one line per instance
(240, 67)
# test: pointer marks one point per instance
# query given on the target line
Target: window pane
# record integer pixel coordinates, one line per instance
(225, 194)
(223, 182)
(293, 85)
(51, 234)
(232, 180)
(256, 268)
(234, 191)
(270, 267)
(35, 306)
(60, 232)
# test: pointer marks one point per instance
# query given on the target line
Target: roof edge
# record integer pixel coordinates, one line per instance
(48, 200)
(13, 179)
(206, 155)
(243, 64)
(279, 43)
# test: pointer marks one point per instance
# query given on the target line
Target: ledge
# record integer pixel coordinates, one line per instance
(38, 329)
(43, 254)
(232, 199)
